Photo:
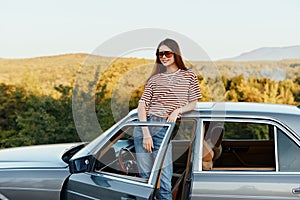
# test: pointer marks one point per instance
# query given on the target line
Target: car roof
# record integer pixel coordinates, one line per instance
(247, 107)
(241, 107)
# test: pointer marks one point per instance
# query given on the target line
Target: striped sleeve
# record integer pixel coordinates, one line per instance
(148, 93)
(194, 89)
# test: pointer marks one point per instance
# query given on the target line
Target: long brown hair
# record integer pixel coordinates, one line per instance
(173, 45)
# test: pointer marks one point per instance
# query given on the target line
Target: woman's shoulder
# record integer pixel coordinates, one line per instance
(188, 72)
(153, 78)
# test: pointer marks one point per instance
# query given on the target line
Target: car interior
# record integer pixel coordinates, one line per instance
(238, 146)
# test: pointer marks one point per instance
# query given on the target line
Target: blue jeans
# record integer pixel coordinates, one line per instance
(145, 160)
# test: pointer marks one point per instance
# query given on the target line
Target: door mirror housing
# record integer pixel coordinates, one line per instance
(83, 164)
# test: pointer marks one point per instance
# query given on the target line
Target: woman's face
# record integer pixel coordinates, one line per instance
(166, 56)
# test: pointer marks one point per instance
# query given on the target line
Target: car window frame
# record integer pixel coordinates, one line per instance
(197, 168)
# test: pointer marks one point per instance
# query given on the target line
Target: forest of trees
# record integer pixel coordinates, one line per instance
(30, 116)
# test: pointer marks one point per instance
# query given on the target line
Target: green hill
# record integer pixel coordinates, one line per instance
(41, 74)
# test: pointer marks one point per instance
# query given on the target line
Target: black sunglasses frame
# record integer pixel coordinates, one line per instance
(168, 54)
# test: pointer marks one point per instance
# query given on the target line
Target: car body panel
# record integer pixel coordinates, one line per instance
(37, 156)
(100, 186)
(34, 172)
(244, 186)
(45, 184)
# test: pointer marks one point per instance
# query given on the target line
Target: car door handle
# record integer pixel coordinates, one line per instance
(296, 190)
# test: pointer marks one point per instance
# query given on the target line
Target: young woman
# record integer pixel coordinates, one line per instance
(171, 90)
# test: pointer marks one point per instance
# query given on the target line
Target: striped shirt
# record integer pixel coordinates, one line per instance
(166, 92)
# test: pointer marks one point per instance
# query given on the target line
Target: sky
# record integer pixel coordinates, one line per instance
(223, 28)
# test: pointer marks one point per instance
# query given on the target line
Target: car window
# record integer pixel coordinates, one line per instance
(288, 153)
(182, 142)
(238, 146)
(118, 155)
(107, 158)
(247, 131)
(184, 129)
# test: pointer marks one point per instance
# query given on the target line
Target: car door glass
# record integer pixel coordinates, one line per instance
(183, 137)
(184, 129)
(238, 146)
(118, 155)
(108, 156)
(288, 153)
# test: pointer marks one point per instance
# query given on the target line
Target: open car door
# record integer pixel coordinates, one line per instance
(107, 168)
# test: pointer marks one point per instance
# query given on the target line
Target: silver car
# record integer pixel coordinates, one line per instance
(219, 150)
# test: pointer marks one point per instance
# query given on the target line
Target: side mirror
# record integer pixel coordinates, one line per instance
(84, 164)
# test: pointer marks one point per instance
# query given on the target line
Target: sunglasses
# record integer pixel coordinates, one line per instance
(168, 54)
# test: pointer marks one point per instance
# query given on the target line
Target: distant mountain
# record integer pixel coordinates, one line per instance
(268, 53)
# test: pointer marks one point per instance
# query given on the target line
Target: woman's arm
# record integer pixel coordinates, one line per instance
(147, 139)
(190, 106)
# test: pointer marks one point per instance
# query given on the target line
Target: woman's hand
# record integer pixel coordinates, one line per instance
(174, 115)
(147, 140)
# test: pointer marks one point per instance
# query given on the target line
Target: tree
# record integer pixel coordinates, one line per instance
(12, 101)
